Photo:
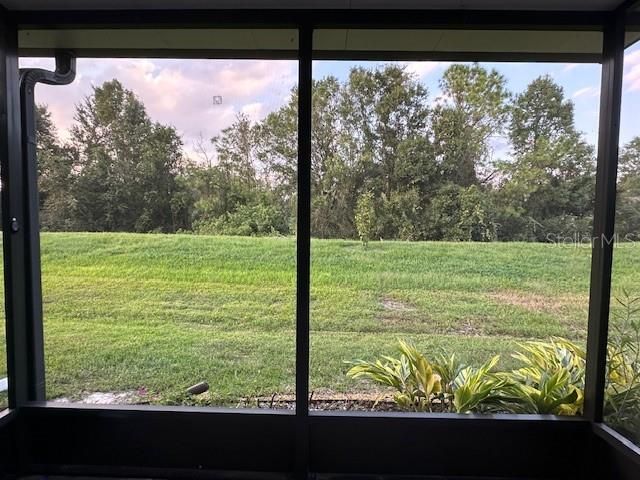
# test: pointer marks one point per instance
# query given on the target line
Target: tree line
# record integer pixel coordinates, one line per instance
(388, 162)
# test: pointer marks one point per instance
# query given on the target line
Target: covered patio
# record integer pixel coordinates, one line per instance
(46, 439)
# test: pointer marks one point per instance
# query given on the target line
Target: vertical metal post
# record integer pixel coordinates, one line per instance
(29, 78)
(604, 216)
(303, 249)
(20, 225)
(13, 216)
(33, 285)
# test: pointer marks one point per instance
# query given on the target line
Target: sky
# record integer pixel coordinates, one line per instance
(181, 92)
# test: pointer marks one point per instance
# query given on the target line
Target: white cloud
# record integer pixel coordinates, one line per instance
(632, 58)
(570, 66)
(423, 69)
(255, 111)
(587, 92)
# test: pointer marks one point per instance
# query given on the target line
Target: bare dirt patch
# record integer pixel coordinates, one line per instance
(393, 305)
(537, 303)
(467, 328)
(396, 312)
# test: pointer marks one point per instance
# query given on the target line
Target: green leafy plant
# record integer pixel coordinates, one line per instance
(411, 375)
(448, 368)
(425, 386)
(551, 379)
(478, 389)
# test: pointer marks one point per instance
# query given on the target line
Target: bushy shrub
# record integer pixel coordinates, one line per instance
(461, 214)
(564, 229)
(247, 220)
(365, 217)
(550, 379)
(400, 216)
(478, 389)
(413, 377)
(424, 386)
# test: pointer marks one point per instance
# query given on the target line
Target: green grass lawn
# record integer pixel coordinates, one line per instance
(162, 312)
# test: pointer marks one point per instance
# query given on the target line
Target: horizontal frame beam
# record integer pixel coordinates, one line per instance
(169, 53)
(482, 21)
(327, 55)
(315, 18)
(187, 441)
(105, 440)
(173, 442)
(458, 56)
(449, 445)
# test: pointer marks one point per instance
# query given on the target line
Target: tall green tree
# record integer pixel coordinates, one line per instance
(238, 198)
(628, 193)
(540, 113)
(56, 176)
(369, 133)
(385, 115)
(548, 187)
(474, 109)
(127, 164)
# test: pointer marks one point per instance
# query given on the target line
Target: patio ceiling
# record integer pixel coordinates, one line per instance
(438, 42)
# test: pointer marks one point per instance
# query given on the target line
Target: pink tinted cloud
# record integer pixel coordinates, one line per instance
(632, 71)
(178, 92)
